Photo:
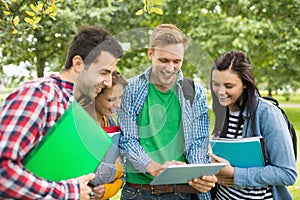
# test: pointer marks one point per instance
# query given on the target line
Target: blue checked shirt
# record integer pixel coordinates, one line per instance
(195, 123)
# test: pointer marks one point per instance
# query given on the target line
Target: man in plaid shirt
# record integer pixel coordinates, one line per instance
(29, 111)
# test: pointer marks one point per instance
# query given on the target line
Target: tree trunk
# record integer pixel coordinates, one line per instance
(269, 92)
(41, 45)
(40, 68)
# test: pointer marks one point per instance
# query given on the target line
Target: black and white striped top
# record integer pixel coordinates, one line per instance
(231, 193)
(233, 122)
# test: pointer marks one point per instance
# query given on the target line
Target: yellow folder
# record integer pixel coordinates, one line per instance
(74, 146)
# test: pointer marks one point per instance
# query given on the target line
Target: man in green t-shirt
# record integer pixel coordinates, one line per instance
(159, 126)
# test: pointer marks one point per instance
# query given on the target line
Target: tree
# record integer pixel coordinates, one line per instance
(265, 31)
(43, 44)
(34, 47)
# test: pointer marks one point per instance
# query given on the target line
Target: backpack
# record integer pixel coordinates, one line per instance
(188, 89)
(289, 124)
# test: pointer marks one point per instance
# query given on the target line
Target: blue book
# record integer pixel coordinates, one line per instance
(244, 152)
(74, 146)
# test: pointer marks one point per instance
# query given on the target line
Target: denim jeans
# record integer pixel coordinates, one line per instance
(138, 194)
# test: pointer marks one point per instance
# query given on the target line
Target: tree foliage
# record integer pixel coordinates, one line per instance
(32, 12)
(267, 30)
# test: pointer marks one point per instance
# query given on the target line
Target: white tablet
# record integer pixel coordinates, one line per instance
(180, 174)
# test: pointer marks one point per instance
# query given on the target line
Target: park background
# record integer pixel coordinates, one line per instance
(35, 36)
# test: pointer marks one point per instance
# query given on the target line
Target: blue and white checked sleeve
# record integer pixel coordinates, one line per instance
(132, 103)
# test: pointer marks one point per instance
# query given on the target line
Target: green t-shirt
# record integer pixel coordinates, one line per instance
(160, 131)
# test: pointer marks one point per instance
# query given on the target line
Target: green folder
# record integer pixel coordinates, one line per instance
(74, 146)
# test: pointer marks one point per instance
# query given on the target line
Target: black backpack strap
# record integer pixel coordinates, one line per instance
(274, 101)
(188, 89)
(291, 128)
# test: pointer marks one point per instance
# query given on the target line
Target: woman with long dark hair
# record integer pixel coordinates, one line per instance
(240, 112)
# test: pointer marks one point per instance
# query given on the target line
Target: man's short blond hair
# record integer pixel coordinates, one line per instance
(166, 34)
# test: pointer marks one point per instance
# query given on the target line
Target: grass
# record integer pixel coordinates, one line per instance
(294, 99)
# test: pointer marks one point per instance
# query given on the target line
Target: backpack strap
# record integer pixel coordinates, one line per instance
(291, 128)
(274, 101)
(188, 89)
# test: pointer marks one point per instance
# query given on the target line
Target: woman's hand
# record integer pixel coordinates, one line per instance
(226, 175)
(99, 191)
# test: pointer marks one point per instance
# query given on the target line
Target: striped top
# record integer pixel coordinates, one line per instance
(224, 192)
(233, 122)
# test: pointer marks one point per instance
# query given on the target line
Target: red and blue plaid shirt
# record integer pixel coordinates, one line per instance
(25, 117)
